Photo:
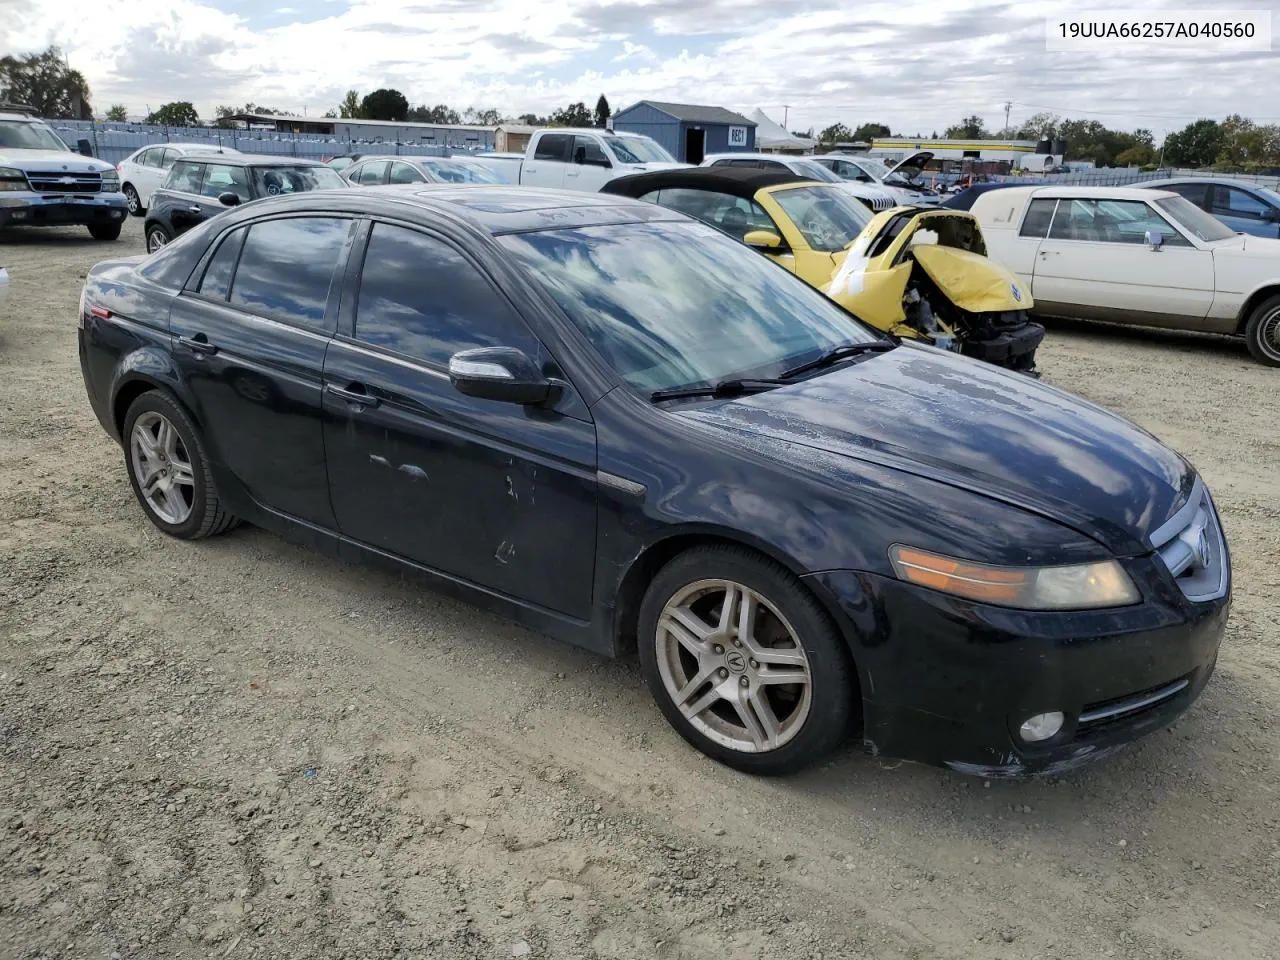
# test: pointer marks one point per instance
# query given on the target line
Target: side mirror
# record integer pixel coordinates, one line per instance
(85, 147)
(1273, 215)
(504, 374)
(580, 157)
(762, 240)
(229, 199)
(1155, 239)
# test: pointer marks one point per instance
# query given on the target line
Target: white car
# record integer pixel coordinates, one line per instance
(1134, 255)
(144, 171)
(874, 197)
(569, 158)
(901, 179)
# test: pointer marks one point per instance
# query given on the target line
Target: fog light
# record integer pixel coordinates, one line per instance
(1041, 727)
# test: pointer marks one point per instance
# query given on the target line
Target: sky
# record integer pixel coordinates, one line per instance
(917, 65)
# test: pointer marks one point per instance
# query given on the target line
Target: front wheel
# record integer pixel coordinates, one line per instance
(157, 237)
(743, 662)
(1262, 333)
(105, 231)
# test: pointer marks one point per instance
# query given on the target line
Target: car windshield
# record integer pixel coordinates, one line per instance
(272, 181)
(675, 304)
(1201, 224)
(815, 171)
(21, 135)
(452, 171)
(828, 218)
(638, 150)
(873, 167)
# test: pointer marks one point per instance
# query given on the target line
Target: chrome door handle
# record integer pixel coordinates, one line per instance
(354, 396)
(199, 345)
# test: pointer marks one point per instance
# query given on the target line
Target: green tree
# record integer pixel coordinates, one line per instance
(574, 115)
(1139, 155)
(384, 104)
(44, 82)
(836, 133)
(532, 120)
(602, 112)
(117, 113)
(870, 131)
(1195, 145)
(349, 108)
(440, 113)
(489, 117)
(180, 113)
(1039, 126)
(970, 128)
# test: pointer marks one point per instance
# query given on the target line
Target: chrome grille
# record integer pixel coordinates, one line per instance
(62, 181)
(1192, 547)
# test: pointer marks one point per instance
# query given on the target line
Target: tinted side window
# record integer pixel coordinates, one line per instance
(588, 150)
(185, 176)
(553, 146)
(1036, 222)
(405, 173)
(372, 173)
(224, 178)
(1197, 193)
(287, 268)
(420, 297)
(1236, 203)
(216, 282)
(736, 216)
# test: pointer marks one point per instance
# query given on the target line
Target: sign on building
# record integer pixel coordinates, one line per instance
(737, 136)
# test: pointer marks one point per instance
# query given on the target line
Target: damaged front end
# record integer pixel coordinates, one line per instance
(925, 275)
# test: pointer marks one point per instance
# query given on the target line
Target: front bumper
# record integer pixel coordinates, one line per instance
(1013, 348)
(33, 210)
(949, 682)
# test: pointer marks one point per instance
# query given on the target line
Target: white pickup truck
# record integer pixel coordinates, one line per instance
(1132, 255)
(579, 159)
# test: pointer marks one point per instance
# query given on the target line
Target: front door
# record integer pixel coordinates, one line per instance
(1096, 261)
(250, 335)
(1244, 212)
(495, 494)
(591, 166)
(187, 204)
(221, 179)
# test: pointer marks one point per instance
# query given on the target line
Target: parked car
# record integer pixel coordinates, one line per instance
(43, 183)
(343, 160)
(910, 272)
(144, 171)
(573, 159)
(372, 171)
(200, 187)
(1243, 206)
(622, 427)
(1133, 255)
(902, 180)
(872, 197)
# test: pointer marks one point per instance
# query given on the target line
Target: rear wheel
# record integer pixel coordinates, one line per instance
(105, 231)
(1262, 332)
(135, 202)
(157, 237)
(169, 469)
(743, 661)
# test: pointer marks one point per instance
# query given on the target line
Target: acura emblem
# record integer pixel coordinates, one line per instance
(1202, 549)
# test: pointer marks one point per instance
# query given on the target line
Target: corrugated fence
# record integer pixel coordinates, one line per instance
(115, 141)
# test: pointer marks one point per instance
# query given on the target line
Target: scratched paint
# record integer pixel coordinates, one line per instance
(416, 472)
(506, 552)
(380, 461)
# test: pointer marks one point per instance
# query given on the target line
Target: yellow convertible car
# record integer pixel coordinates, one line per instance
(910, 271)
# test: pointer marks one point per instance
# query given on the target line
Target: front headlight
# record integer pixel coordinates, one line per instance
(1081, 586)
(110, 181)
(12, 179)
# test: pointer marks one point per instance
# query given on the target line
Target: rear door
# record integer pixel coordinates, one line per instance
(147, 173)
(249, 335)
(1096, 260)
(546, 168)
(496, 494)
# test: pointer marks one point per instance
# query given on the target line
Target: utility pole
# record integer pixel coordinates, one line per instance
(786, 110)
(1008, 105)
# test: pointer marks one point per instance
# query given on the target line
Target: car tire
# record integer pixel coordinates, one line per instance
(136, 209)
(105, 231)
(169, 471)
(157, 237)
(1262, 332)
(727, 692)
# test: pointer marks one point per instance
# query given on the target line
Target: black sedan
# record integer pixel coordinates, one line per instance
(199, 187)
(621, 427)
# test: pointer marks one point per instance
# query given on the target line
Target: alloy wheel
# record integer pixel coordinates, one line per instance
(1269, 335)
(162, 468)
(733, 666)
(131, 195)
(155, 240)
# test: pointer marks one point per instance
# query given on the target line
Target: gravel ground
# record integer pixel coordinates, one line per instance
(243, 749)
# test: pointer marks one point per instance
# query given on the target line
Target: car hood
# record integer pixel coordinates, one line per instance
(979, 428)
(912, 165)
(51, 160)
(1249, 246)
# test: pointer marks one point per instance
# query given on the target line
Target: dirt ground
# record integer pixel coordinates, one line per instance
(240, 748)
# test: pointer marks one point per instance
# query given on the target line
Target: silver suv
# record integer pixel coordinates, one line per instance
(43, 183)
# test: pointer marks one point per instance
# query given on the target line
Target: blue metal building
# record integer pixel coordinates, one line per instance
(688, 131)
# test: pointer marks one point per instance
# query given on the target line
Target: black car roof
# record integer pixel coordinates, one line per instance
(252, 160)
(495, 209)
(738, 181)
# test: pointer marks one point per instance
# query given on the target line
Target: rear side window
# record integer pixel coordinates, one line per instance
(372, 173)
(421, 298)
(185, 176)
(149, 157)
(287, 269)
(553, 146)
(736, 216)
(216, 283)
(1036, 223)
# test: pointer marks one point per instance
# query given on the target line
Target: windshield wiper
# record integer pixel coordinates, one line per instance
(724, 388)
(842, 352)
